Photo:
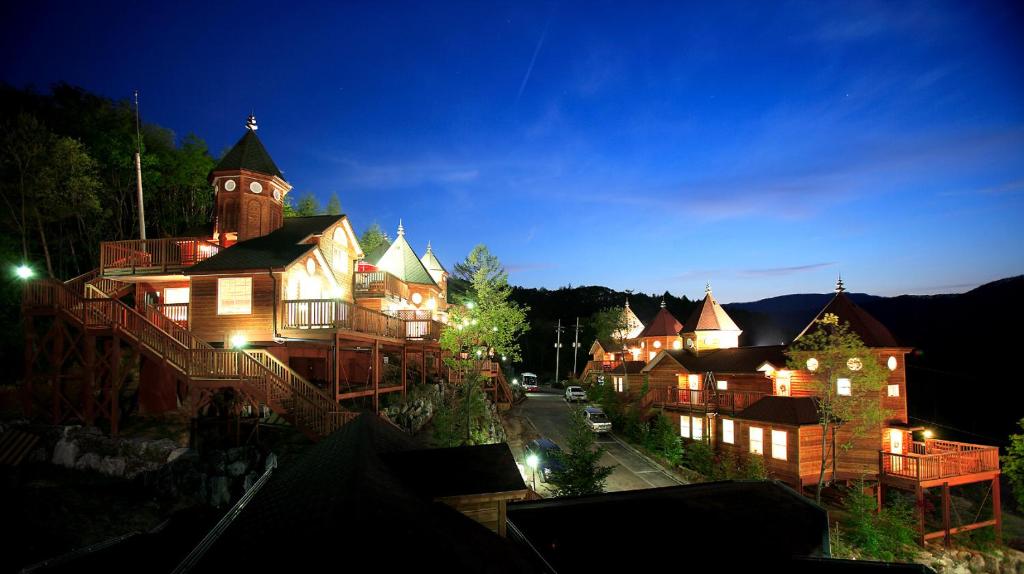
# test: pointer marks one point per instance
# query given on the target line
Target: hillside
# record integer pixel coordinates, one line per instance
(962, 360)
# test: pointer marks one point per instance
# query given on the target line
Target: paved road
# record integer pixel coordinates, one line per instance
(549, 413)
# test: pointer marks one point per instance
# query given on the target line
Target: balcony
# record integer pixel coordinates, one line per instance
(724, 401)
(936, 461)
(177, 312)
(603, 366)
(379, 284)
(153, 256)
(419, 325)
(334, 314)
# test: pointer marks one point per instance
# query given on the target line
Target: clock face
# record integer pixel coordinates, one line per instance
(277, 194)
(256, 187)
(229, 185)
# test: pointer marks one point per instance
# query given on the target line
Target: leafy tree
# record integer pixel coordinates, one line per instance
(373, 238)
(581, 472)
(839, 353)
(612, 324)
(334, 205)
(1013, 465)
(887, 534)
(307, 205)
(484, 329)
(481, 260)
(664, 441)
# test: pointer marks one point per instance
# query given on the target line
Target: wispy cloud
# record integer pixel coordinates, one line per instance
(1010, 187)
(533, 60)
(782, 271)
(405, 173)
(523, 267)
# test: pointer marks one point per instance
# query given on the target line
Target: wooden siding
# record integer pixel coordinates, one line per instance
(257, 326)
(340, 257)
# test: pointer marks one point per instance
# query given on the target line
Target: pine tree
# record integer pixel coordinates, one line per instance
(334, 205)
(581, 472)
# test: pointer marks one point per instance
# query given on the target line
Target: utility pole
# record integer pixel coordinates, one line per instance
(576, 347)
(558, 350)
(138, 170)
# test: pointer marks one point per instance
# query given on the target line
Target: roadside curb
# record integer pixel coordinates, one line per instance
(650, 460)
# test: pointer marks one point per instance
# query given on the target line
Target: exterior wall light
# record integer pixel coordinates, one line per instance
(812, 364)
(23, 271)
(238, 341)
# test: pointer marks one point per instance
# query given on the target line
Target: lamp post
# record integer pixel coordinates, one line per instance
(531, 461)
(24, 272)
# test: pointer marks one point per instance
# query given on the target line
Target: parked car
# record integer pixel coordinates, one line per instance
(547, 462)
(597, 420)
(575, 393)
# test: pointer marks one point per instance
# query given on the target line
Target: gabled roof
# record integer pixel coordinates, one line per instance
(275, 250)
(710, 316)
(870, 330)
(735, 360)
(249, 154)
(341, 491)
(400, 260)
(431, 262)
(664, 324)
(795, 411)
(479, 469)
(373, 257)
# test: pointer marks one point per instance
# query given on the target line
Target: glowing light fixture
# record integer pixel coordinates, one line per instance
(854, 364)
(532, 461)
(891, 363)
(657, 344)
(928, 433)
(812, 364)
(238, 341)
(23, 271)
(470, 304)
(515, 381)
(677, 344)
(417, 298)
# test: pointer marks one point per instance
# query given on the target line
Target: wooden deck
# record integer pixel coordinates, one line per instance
(935, 462)
(704, 400)
(153, 256)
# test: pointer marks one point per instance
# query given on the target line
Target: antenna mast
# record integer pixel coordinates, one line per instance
(138, 170)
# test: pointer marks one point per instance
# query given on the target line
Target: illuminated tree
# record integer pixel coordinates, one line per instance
(485, 328)
(846, 378)
(372, 238)
(612, 324)
(581, 472)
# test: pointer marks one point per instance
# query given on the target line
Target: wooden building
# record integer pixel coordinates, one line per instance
(289, 313)
(746, 401)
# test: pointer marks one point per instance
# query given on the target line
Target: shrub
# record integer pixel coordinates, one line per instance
(887, 535)
(663, 441)
(698, 456)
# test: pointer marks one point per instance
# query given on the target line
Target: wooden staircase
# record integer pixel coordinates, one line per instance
(256, 372)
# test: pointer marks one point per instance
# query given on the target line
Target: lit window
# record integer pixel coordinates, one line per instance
(727, 430)
(619, 385)
(843, 387)
(339, 236)
(651, 355)
(782, 383)
(234, 296)
(891, 363)
(684, 426)
(723, 385)
(694, 381)
(779, 444)
(756, 440)
(310, 266)
(677, 344)
(698, 428)
(894, 390)
(173, 295)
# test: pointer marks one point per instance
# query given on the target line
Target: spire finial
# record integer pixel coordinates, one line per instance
(401, 228)
(627, 302)
(839, 284)
(707, 288)
(250, 123)
(428, 246)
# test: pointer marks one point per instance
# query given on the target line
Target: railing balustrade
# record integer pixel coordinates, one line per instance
(936, 459)
(379, 284)
(154, 255)
(336, 314)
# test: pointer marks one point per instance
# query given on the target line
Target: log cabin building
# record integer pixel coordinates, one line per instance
(288, 313)
(747, 402)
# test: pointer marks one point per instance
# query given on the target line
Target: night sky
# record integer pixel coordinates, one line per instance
(764, 148)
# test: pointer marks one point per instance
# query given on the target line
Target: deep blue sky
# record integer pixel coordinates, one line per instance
(761, 147)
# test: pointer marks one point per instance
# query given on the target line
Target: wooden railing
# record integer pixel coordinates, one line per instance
(257, 371)
(335, 314)
(379, 284)
(604, 366)
(937, 459)
(177, 312)
(153, 255)
(718, 400)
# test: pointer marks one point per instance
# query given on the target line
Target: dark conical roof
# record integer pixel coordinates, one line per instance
(870, 330)
(249, 154)
(664, 324)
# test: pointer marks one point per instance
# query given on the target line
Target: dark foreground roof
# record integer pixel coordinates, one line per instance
(870, 330)
(274, 250)
(793, 411)
(717, 523)
(480, 469)
(249, 154)
(341, 504)
(737, 360)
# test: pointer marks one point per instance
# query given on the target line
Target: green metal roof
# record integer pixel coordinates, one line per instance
(274, 250)
(249, 154)
(401, 261)
(431, 262)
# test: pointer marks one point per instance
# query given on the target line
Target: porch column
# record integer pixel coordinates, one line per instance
(997, 509)
(945, 515)
(920, 513)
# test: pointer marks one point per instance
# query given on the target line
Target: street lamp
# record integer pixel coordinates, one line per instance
(531, 461)
(928, 433)
(23, 271)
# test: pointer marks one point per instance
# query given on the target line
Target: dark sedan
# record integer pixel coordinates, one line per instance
(547, 461)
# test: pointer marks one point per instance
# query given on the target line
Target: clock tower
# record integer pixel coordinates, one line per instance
(250, 191)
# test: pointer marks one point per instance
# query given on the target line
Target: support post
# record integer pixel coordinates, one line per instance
(89, 381)
(376, 377)
(946, 538)
(423, 361)
(30, 343)
(405, 367)
(881, 496)
(115, 383)
(56, 365)
(997, 509)
(919, 498)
